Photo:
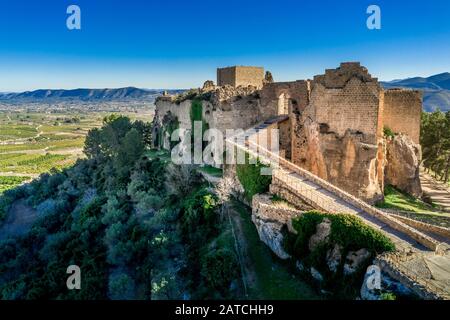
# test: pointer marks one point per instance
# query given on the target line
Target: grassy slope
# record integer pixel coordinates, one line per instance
(413, 208)
(395, 199)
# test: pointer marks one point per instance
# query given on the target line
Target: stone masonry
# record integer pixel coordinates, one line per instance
(335, 121)
(402, 111)
(240, 76)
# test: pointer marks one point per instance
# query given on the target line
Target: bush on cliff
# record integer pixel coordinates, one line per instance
(350, 233)
(346, 230)
(251, 178)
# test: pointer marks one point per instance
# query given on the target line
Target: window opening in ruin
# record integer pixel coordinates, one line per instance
(283, 104)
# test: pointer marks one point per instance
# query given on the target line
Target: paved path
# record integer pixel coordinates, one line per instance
(438, 191)
(327, 201)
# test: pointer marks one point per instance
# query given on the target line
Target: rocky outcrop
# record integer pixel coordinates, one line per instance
(270, 221)
(271, 234)
(227, 93)
(354, 260)
(316, 274)
(347, 161)
(403, 159)
(371, 286)
(208, 86)
(334, 257)
(322, 234)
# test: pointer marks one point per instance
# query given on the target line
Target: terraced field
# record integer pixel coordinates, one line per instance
(33, 143)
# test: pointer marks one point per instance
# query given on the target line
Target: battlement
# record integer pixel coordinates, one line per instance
(338, 78)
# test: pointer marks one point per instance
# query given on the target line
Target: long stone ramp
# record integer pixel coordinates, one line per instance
(322, 195)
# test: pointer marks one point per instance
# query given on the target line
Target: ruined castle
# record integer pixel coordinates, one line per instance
(333, 125)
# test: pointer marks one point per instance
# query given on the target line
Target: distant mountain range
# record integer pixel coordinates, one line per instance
(436, 90)
(436, 93)
(85, 95)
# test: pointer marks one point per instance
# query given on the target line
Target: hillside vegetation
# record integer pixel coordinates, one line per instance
(32, 143)
(435, 142)
(138, 226)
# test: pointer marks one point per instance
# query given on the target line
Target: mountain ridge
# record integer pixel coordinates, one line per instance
(436, 89)
(86, 94)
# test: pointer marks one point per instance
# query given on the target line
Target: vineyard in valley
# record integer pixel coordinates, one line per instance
(32, 143)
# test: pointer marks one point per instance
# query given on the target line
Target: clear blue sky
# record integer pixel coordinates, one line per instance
(178, 44)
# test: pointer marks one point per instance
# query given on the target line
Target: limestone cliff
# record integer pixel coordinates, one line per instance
(402, 168)
(346, 161)
(270, 220)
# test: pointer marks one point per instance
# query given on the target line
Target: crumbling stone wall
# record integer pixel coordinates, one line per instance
(337, 133)
(336, 120)
(402, 112)
(166, 106)
(241, 112)
(285, 139)
(354, 107)
(224, 108)
(298, 94)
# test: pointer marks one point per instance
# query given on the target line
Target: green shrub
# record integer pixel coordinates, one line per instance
(305, 227)
(196, 111)
(251, 178)
(388, 296)
(348, 231)
(199, 215)
(219, 268)
(388, 132)
(353, 234)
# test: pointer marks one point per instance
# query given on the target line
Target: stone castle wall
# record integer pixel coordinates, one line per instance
(226, 76)
(402, 112)
(354, 107)
(347, 98)
(182, 111)
(240, 76)
(336, 120)
(285, 139)
(297, 93)
(241, 113)
(336, 135)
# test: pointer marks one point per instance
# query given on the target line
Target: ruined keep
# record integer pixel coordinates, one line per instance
(240, 76)
(332, 125)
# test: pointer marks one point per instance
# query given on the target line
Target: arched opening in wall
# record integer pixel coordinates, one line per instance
(283, 104)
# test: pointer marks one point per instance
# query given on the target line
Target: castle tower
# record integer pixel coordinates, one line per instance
(236, 76)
